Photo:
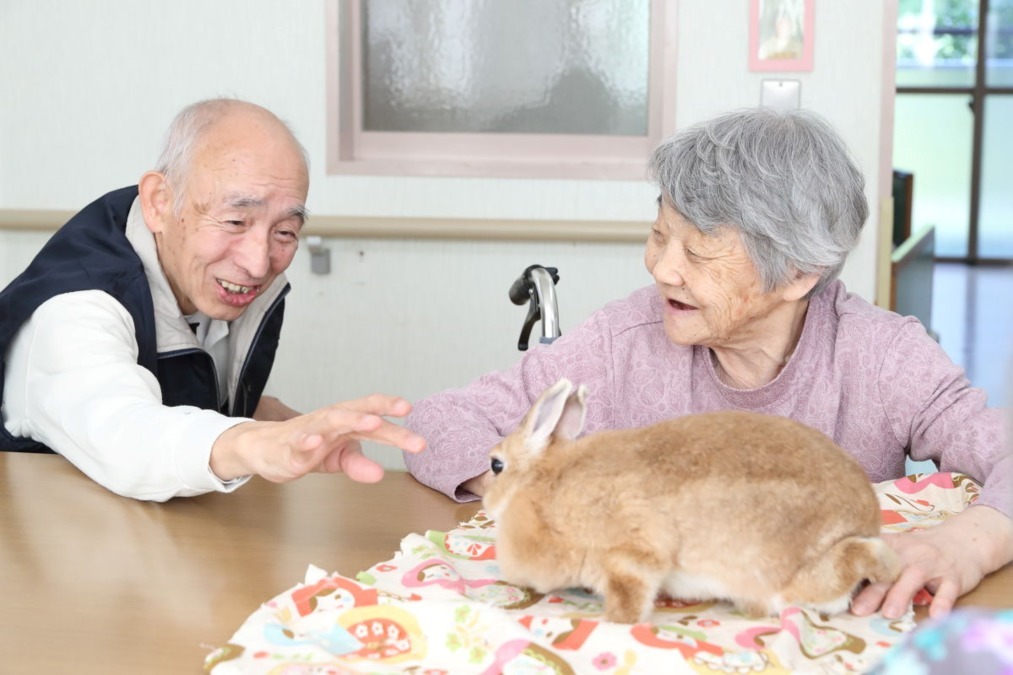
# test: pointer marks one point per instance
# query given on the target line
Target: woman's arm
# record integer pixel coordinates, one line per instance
(938, 415)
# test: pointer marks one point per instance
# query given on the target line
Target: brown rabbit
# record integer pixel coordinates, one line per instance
(755, 509)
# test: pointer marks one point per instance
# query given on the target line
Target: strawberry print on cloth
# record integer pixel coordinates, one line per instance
(439, 607)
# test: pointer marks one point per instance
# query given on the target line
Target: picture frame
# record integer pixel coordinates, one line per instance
(781, 35)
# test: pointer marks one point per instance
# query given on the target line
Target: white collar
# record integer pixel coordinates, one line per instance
(172, 332)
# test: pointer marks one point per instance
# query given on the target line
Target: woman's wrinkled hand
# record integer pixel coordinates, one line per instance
(946, 560)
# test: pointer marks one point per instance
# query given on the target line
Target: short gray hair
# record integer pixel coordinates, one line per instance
(186, 131)
(784, 180)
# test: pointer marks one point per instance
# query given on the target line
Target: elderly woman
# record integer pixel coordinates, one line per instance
(757, 213)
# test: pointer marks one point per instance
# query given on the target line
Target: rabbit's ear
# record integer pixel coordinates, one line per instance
(559, 411)
(571, 423)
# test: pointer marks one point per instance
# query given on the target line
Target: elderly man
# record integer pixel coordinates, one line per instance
(139, 341)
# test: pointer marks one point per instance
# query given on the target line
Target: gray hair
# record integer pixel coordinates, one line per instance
(186, 131)
(784, 180)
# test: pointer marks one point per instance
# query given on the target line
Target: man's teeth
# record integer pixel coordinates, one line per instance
(234, 288)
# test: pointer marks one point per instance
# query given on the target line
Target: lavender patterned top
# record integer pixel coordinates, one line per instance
(872, 380)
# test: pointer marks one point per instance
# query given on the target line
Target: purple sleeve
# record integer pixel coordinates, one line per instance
(931, 403)
(461, 425)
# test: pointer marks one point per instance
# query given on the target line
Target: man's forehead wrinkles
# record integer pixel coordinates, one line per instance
(240, 201)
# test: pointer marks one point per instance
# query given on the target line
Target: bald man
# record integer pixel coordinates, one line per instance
(138, 342)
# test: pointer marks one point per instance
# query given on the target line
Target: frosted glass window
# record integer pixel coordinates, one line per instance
(526, 88)
(517, 66)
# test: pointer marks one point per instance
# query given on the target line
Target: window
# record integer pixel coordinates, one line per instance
(523, 88)
(951, 123)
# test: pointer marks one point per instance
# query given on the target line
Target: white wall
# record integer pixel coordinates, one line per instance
(87, 89)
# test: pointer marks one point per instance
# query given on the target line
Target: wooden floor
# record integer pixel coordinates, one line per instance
(972, 312)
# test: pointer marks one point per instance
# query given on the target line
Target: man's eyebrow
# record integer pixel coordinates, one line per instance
(299, 212)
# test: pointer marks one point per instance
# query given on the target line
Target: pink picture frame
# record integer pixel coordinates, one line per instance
(781, 35)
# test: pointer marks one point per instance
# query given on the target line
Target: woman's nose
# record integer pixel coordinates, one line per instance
(668, 267)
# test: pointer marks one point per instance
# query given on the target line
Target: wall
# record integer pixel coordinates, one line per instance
(88, 89)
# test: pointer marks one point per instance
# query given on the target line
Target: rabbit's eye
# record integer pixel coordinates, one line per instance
(496, 465)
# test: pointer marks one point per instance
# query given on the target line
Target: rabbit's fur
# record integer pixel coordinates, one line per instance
(755, 509)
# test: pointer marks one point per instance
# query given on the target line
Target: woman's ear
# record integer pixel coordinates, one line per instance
(156, 200)
(800, 286)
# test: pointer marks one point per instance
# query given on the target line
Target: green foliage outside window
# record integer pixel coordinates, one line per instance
(954, 28)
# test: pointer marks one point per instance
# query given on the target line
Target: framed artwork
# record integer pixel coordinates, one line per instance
(781, 35)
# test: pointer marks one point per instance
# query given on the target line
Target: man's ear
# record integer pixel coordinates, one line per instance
(800, 286)
(156, 200)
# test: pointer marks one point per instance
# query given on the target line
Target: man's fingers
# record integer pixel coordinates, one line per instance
(338, 421)
(395, 436)
(328, 440)
(358, 467)
(378, 404)
(332, 460)
(388, 433)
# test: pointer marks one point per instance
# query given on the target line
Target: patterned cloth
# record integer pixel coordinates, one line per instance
(439, 607)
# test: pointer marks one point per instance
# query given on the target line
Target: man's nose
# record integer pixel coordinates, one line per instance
(253, 254)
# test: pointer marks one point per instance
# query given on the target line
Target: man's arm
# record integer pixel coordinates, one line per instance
(73, 383)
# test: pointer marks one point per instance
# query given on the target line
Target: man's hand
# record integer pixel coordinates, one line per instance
(270, 409)
(326, 440)
(948, 560)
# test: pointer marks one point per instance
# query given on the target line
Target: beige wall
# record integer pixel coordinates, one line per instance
(88, 89)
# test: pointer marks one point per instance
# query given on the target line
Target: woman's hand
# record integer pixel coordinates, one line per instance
(948, 560)
(479, 484)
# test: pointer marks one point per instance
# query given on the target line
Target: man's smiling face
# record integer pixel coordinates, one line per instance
(239, 216)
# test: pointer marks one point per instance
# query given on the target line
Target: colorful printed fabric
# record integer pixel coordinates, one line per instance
(439, 606)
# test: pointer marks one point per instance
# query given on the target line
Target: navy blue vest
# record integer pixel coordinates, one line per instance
(91, 252)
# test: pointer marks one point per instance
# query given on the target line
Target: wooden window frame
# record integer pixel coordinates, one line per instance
(350, 150)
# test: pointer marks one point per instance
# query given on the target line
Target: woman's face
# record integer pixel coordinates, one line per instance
(712, 294)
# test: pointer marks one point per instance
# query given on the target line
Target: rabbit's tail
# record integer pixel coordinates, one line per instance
(827, 583)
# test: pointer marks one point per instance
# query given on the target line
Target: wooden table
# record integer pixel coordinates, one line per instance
(95, 583)
(91, 582)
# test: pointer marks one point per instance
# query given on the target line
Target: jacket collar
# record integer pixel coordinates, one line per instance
(172, 331)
